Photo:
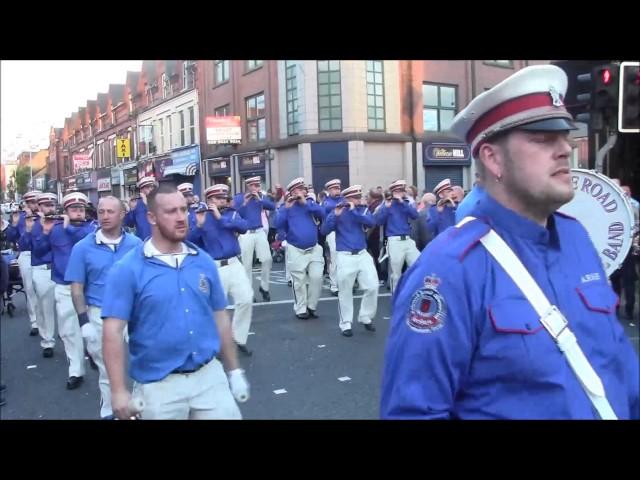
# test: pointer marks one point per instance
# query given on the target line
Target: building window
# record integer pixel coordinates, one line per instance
(192, 125)
(292, 98)
(114, 154)
(169, 133)
(221, 68)
(187, 75)
(222, 111)
(166, 86)
(375, 95)
(130, 104)
(181, 115)
(161, 124)
(149, 96)
(253, 64)
(256, 122)
(500, 63)
(439, 106)
(113, 117)
(329, 96)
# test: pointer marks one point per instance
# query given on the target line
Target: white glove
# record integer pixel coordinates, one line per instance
(89, 332)
(239, 385)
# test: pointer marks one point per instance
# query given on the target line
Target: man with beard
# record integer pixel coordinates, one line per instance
(169, 293)
(186, 189)
(509, 315)
(58, 238)
(90, 262)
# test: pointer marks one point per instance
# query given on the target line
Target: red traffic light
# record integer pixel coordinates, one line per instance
(606, 76)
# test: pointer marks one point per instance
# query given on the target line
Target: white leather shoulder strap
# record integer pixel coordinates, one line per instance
(551, 318)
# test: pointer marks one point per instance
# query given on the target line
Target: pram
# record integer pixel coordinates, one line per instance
(15, 282)
(277, 251)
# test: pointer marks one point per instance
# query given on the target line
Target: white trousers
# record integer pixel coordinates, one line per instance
(235, 282)
(305, 267)
(69, 330)
(256, 242)
(287, 274)
(95, 350)
(203, 395)
(333, 276)
(44, 289)
(360, 267)
(24, 265)
(400, 251)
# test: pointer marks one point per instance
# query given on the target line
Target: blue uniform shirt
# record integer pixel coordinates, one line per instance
(59, 243)
(218, 237)
(396, 218)
(14, 233)
(349, 227)
(138, 218)
(91, 261)
(330, 203)
(298, 221)
(169, 311)
(281, 233)
(438, 222)
(252, 211)
(29, 239)
(193, 221)
(465, 343)
(469, 202)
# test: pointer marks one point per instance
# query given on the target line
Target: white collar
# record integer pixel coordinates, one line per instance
(100, 238)
(150, 250)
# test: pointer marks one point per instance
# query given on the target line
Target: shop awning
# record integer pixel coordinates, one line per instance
(187, 169)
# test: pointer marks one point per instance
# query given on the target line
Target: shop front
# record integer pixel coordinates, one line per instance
(251, 165)
(219, 171)
(182, 165)
(86, 183)
(446, 160)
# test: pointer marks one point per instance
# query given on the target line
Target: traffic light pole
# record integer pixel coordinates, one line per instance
(603, 151)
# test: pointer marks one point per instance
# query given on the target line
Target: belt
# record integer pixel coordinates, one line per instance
(184, 372)
(304, 250)
(352, 252)
(254, 230)
(225, 261)
(401, 237)
(47, 266)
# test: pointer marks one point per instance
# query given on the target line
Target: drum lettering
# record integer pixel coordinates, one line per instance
(610, 254)
(611, 207)
(574, 181)
(586, 184)
(616, 232)
(593, 190)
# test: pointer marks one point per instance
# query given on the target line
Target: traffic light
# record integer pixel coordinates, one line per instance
(605, 88)
(629, 101)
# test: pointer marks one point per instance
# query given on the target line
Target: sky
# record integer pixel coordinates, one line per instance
(39, 94)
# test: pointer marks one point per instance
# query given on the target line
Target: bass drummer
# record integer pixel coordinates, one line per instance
(511, 309)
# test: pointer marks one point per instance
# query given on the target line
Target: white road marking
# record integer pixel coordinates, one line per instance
(321, 346)
(31, 366)
(251, 333)
(344, 379)
(323, 299)
(280, 391)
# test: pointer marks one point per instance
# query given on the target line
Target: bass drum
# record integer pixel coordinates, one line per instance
(600, 205)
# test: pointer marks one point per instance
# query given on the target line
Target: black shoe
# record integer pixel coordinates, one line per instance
(74, 382)
(265, 295)
(47, 352)
(3, 387)
(347, 333)
(289, 282)
(334, 293)
(312, 313)
(245, 350)
(3, 402)
(370, 327)
(302, 316)
(34, 331)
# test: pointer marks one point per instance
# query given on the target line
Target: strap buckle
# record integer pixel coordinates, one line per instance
(554, 322)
